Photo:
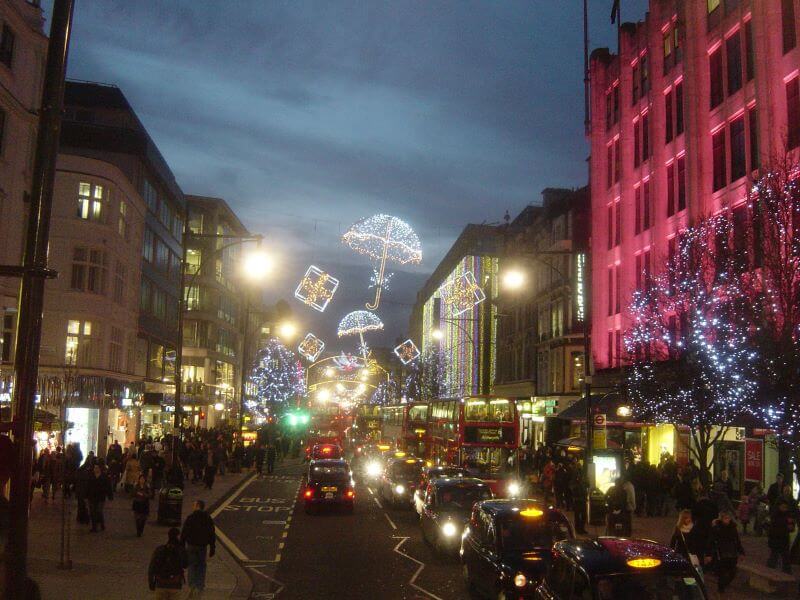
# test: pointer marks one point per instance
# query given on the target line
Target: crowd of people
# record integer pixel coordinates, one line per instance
(710, 520)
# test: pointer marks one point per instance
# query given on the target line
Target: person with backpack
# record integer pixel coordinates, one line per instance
(165, 573)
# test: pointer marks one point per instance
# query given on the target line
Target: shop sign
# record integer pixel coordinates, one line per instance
(753, 460)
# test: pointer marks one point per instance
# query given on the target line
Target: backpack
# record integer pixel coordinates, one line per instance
(169, 567)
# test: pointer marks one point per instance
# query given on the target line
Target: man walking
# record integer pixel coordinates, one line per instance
(271, 455)
(165, 574)
(198, 532)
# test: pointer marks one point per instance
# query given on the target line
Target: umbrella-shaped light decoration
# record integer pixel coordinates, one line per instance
(383, 238)
(358, 322)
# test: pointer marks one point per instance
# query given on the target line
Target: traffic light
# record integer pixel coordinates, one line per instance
(297, 418)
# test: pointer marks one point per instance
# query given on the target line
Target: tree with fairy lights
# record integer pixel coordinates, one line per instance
(276, 378)
(690, 360)
(774, 293)
(427, 379)
(387, 392)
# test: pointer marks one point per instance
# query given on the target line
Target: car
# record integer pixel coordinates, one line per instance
(372, 461)
(399, 479)
(446, 510)
(325, 451)
(609, 568)
(505, 549)
(431, 473)
(329, 482)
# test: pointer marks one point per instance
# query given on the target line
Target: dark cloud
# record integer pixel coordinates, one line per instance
(309, 115)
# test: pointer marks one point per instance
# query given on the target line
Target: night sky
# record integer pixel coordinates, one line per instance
(306, 116)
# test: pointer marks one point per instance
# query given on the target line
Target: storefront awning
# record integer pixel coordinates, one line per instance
(580, 442)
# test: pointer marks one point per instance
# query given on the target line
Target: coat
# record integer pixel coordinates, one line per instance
(725, 540)
(686, 543)
(781, 524)
(132, 471)
(98, 489)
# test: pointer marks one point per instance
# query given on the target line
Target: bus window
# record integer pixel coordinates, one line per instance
(418, 413)
(500, 411)
(476, 410)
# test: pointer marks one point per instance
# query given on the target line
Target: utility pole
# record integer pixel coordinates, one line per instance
(31, 296)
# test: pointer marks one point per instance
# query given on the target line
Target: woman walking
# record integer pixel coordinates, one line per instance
(133, 470)
(684, 541)
(727, 548)
(141, 504)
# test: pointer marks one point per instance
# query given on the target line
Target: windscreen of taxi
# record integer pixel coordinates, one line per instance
(648, 586)
(461, 497)
(329, 472)
(518, 534)
(448, 472)
(404, 470)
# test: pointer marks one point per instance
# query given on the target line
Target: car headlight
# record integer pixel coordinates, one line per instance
(399, 489)
(374, 469)
(520, 580)
(449, 529)
(514, 489)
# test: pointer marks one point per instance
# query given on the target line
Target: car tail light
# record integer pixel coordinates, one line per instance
(350, 493)
(309, 493)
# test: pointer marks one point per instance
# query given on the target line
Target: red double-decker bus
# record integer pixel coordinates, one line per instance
(406, 426)
(480, 433)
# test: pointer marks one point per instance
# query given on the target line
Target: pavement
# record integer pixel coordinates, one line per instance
(113, 564)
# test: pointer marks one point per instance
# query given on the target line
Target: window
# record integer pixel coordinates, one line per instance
(645, 137)
(177, 226)
(162, 255)
(90, 201)
(718, 145)
(618, 223)
(671, 189)
(647, 223)
(668, 115)
(752, 117)
(165, 214)
(733, 50)
(615, 94)
(155, 361)
(159, 303)
(610, 225)
(610, 165)
(115, 349)
(150, 196)
(748, 50)
(612, 107)
(681, 183)
(636, 144)
(6, 337)
(122, 223)
(174, 266)
(120, 271)
(715, 69)
(788, 25)
(145, 296)
(610, 291)
(793, 112)
(88, 270)
(644, 69)
(610, 357)
(738, 164)
(147, 245)
(193, 298)
(78, 344)
(714, 13)
(635, 78)
(667, 51)
(2, 128)
(616, 160)
(7, 46)
(637, 193)
(679, 108)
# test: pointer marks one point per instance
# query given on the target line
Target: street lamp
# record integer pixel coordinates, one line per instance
(513, 279)
(257, 265)
(287, 330)
(437, 334)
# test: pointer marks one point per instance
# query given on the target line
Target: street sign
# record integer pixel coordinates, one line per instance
(599, 420)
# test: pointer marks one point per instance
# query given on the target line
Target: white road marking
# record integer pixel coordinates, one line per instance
(390, 521)
(268, 578)
(233, 496)
(421, 566)
(378, 502)
(232, 548)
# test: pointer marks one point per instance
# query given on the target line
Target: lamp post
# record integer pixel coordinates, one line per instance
(256, 265)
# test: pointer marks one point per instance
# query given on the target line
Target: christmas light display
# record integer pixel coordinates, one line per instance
(428, 377)
(311, 347)
(317, 288)
(276, 377)
(690, 361)
(347, 362)
(407, 352)
(383, 238)
(463, 294)
(357, 323)
(387, 392)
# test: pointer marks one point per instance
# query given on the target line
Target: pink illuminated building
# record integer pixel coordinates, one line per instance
(702, 95)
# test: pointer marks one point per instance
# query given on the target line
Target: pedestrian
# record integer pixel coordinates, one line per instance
(157, 473)
(165, 573)
(57, 471)
(560, 485)
(619, 510)
(271, 455)
(781, 526)
(580, 493)
(82, 476)
(141, 504)
(727, 546)
(43, 467)
(685, 541)
(97, 491)
(704, 513)
(133, 470)
(774, 491)
(198, 534)
(210, 467)
(548, 478)
(259, 458)
(748, 506)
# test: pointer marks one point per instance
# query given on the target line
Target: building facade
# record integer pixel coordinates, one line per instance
(540, 328)
(701, 97)
(454, 311)
(220, 307)
(23, 50)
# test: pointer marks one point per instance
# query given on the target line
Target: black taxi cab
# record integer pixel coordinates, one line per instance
(446, 509)
(609, 568)
(322, 451)
(399, 480)
(329, 482)
(505, 549)
(431, 473)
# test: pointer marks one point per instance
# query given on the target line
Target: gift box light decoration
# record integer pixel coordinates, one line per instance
(311, 347)
(317, 288)
(463, 294)
(407, 352)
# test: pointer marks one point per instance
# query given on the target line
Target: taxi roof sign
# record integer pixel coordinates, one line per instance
(531, 513)
(643, 562)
